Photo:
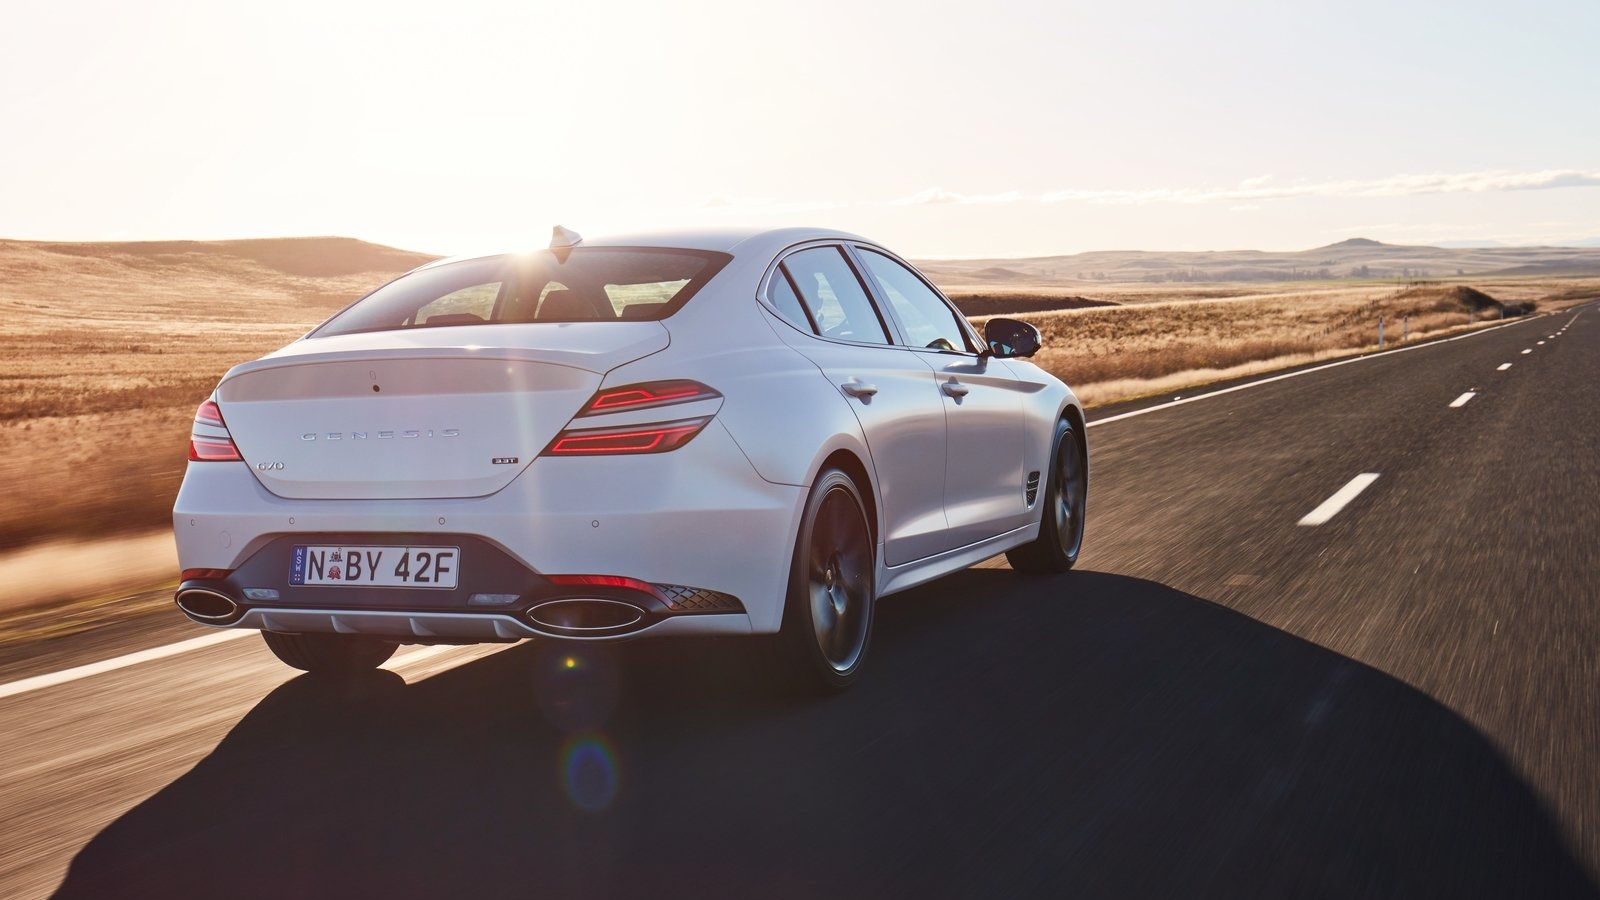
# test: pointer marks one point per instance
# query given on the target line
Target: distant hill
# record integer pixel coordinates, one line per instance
(311, 257)
(1356, 258)
(287, 280)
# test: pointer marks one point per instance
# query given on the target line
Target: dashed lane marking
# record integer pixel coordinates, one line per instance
(1340, 499)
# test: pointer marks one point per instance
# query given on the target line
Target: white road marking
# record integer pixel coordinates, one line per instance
(52, 679)
(1541, 343)
(1527, 351)
(420, 663)
(409, 658)
(416, 655)
(1341, 498)
(1503, 367)
(1461, 401)
(1333, 365)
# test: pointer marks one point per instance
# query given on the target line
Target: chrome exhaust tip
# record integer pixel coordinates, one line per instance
(586, 616)
(207, 606)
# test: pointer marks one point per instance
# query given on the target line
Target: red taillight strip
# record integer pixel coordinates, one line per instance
(614, 581)
(646, 395)
(639, 439)
(210, 449)
(205, 573)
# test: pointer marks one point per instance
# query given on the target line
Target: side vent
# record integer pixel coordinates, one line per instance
(1030, 490)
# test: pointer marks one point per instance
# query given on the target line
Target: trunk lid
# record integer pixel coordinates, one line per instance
(421, 414)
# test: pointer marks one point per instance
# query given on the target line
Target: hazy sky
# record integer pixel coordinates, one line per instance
(942, 129)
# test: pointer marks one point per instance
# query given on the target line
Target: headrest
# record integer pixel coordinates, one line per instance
(566, 305)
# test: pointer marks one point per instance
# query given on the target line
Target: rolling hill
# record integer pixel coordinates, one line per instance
(1356, 258)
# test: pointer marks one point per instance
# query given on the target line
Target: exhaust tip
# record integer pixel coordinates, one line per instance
(586, 616)
(206, 606)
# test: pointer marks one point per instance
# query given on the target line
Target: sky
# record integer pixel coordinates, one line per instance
(941, 129)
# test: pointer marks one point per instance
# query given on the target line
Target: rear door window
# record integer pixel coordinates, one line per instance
(834, 296)
(780, 293)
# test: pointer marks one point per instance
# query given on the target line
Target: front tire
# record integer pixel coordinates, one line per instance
(1060, 538)
(333, 654)
(832, 592)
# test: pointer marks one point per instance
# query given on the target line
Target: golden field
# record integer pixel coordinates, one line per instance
(1157, 341)
(106, 349)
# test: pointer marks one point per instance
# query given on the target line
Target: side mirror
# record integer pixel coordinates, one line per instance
(1009, 338)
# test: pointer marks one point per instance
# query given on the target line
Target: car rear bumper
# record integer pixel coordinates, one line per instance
(696, 524)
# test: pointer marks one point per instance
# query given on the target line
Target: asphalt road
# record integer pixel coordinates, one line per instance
(1401, 701)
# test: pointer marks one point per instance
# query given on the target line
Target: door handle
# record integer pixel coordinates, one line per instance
(858, 389)
(954, 388)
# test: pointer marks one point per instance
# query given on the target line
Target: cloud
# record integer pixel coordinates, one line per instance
(1259, 188)
(937, 195)
(750, 205)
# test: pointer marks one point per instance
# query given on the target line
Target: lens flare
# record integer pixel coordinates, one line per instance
(577, 689)
(589, 772)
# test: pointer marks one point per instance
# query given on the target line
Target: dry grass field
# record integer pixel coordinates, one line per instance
(106, 349)
(1153, 343)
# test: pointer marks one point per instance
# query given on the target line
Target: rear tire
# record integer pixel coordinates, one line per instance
(827, 616)
(336, 654)
(1060, 538)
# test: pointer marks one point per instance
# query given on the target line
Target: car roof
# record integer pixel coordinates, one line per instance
(735, 241)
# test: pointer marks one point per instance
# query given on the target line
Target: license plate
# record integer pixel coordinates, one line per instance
(367, 566)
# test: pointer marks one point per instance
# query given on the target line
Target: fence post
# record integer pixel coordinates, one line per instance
(1407, 335)
(1380, 332)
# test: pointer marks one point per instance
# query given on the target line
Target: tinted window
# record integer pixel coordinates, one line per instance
(928, 320)
(471, 305)
(783, 298)
(835, 296)
(594, 284)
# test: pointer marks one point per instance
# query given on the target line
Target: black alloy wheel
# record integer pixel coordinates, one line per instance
(828, 614)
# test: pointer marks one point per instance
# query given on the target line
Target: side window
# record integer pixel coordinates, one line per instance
(472, 305)
(783, 298)
(834, 295)
(929, 322)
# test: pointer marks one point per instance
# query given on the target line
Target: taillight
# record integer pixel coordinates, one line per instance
(612, 581)
(211, 447)
(656, 438)
(209, 414)
(217, 574)
(646, 395)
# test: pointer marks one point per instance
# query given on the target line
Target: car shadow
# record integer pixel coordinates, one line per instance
(1090, 735)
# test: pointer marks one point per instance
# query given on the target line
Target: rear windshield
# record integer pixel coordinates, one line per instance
(594, 284)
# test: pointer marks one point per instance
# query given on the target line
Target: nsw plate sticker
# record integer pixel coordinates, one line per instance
(297, 566)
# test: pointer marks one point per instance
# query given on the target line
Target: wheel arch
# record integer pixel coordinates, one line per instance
(1074, 416)
(846, 461)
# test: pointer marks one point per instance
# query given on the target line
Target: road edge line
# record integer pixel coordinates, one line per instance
(88, 670)
(1333, 365)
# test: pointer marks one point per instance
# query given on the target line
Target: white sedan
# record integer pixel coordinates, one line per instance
(728, 433)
